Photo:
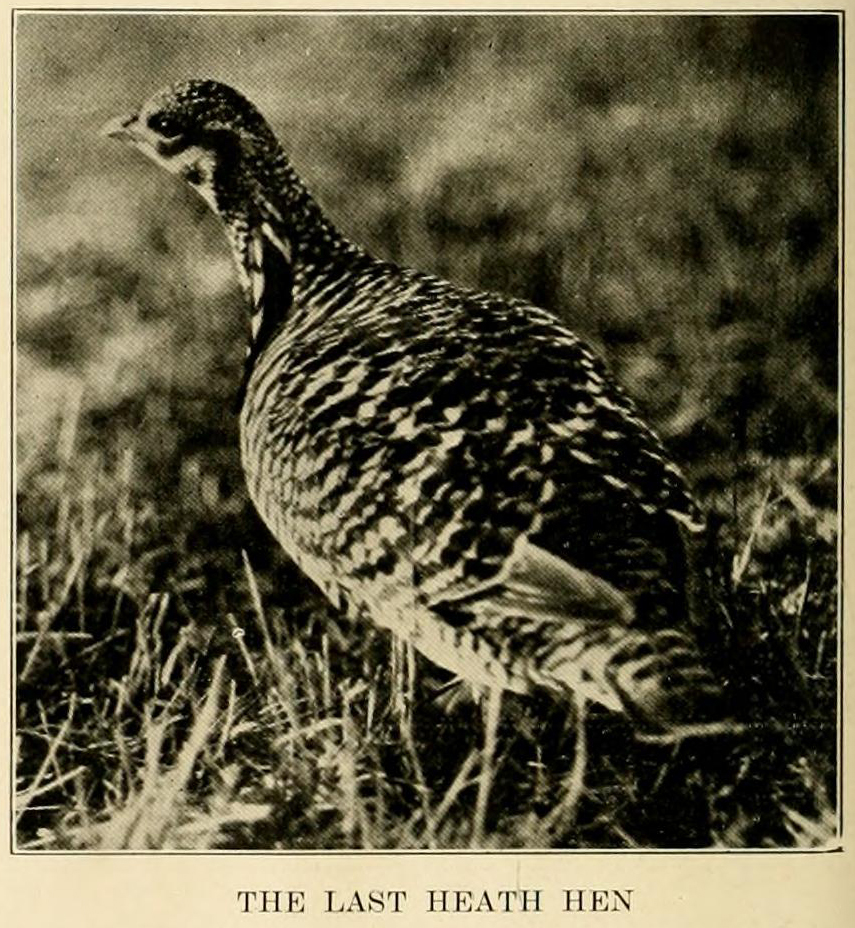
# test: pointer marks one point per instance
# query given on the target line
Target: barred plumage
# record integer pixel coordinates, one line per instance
(454, 466)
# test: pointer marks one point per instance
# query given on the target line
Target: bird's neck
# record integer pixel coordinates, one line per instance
(280, 237)
(282, 198)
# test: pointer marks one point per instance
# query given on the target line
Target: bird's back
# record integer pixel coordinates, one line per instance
(459, 467)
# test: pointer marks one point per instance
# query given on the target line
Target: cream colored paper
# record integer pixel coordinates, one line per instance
(709, 888)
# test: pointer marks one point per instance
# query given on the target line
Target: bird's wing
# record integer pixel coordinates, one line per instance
(522, 433)
(596, 422)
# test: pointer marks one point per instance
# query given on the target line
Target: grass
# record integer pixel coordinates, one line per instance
(172, 695)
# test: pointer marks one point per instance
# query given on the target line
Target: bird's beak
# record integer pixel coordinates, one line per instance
(124, 128)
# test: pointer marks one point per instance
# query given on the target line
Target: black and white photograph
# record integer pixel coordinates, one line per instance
(426, 432)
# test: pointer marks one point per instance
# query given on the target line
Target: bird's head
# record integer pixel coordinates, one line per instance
(220, 144)
(203, 131)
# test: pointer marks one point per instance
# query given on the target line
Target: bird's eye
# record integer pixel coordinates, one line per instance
(165, 124)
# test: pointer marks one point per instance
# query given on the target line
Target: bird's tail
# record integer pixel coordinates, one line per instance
(755, 776)
(666, 689)
(763, 786)
(656, 678)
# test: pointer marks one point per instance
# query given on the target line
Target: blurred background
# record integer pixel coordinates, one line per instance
(667, 184)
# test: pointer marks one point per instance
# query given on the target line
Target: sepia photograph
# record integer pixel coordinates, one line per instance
(426, 432)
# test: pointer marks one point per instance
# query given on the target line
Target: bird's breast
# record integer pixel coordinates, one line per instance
(379, 456)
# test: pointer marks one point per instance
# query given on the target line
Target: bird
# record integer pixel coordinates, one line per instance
(455, 466)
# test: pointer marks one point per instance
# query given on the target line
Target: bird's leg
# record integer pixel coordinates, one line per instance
(403, 675)
(491, 707)
(398, 696)
(562, 818)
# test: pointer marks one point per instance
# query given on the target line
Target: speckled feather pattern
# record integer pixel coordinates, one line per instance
(402, 437)
(452, 465)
